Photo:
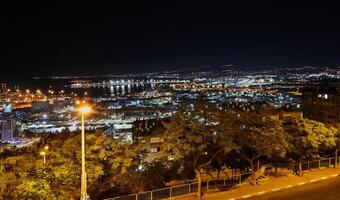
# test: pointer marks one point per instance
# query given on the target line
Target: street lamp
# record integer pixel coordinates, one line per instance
(43, 153)
(83, 110)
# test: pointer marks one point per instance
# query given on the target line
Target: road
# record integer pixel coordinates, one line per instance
(31, 142)
(327, 189)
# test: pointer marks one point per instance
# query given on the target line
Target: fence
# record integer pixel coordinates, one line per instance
(213, 184)
(185, 189)
(323, 162)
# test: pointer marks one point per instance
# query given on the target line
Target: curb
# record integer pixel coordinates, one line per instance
(284, 187)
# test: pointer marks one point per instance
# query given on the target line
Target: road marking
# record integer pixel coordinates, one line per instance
(276, 189)
(260, 193)
(285, 187)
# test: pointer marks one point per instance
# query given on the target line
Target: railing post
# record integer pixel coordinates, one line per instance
(137, 196)
(319, 164)
(189, 188)
(170, 191)
(308, 165)
(224, 182)
(329, 162)
(207, 185)
(240, 179)
(335, 158)
(151, 195)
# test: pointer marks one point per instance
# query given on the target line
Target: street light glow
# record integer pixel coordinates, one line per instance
(43, 153)
(84, 109)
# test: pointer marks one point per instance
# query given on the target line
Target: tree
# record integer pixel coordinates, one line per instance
(107, 161)
(307, 137)
(193, 136)
(157, 174)
(259, 135)
(35, 189)
(337, 147)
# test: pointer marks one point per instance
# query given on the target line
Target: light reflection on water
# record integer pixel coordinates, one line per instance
(94, 91)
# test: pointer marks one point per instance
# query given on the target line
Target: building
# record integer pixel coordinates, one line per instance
(7, 108)
(284, 116)
(7, 126)
(38, 106)
(322, 103)
(149, 135)
(122, 131)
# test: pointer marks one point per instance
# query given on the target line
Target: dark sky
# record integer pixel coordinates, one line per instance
(94, 38)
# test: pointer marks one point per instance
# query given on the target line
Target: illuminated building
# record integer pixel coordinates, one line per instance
(322, 103)
(149, 134)
(7, 126)
(7, 108)
(40, 106)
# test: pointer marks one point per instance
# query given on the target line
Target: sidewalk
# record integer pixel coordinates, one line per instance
(273, 184)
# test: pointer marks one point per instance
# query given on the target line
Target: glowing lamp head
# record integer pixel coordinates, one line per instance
(84, 109)
(42, 153)
(46, 147)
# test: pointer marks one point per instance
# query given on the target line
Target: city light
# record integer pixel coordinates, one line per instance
(43, 153)
(85, 109)
(216, 102)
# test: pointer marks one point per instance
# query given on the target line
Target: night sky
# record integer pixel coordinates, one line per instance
(87, 39)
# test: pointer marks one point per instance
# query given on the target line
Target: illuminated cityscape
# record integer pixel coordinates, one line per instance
(234, 102)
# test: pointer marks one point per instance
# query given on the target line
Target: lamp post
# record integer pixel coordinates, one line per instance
(83, 111)
(43, 153)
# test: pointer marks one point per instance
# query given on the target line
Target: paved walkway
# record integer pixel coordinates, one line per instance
(273, 184)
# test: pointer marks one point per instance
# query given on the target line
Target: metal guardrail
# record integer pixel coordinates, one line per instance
(185, 189)
(323, 162)
(212, 184)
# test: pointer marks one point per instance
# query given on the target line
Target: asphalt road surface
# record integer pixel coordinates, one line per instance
(323, 190)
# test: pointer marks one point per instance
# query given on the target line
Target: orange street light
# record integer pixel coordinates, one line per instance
(43, 153)
(83, 110)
